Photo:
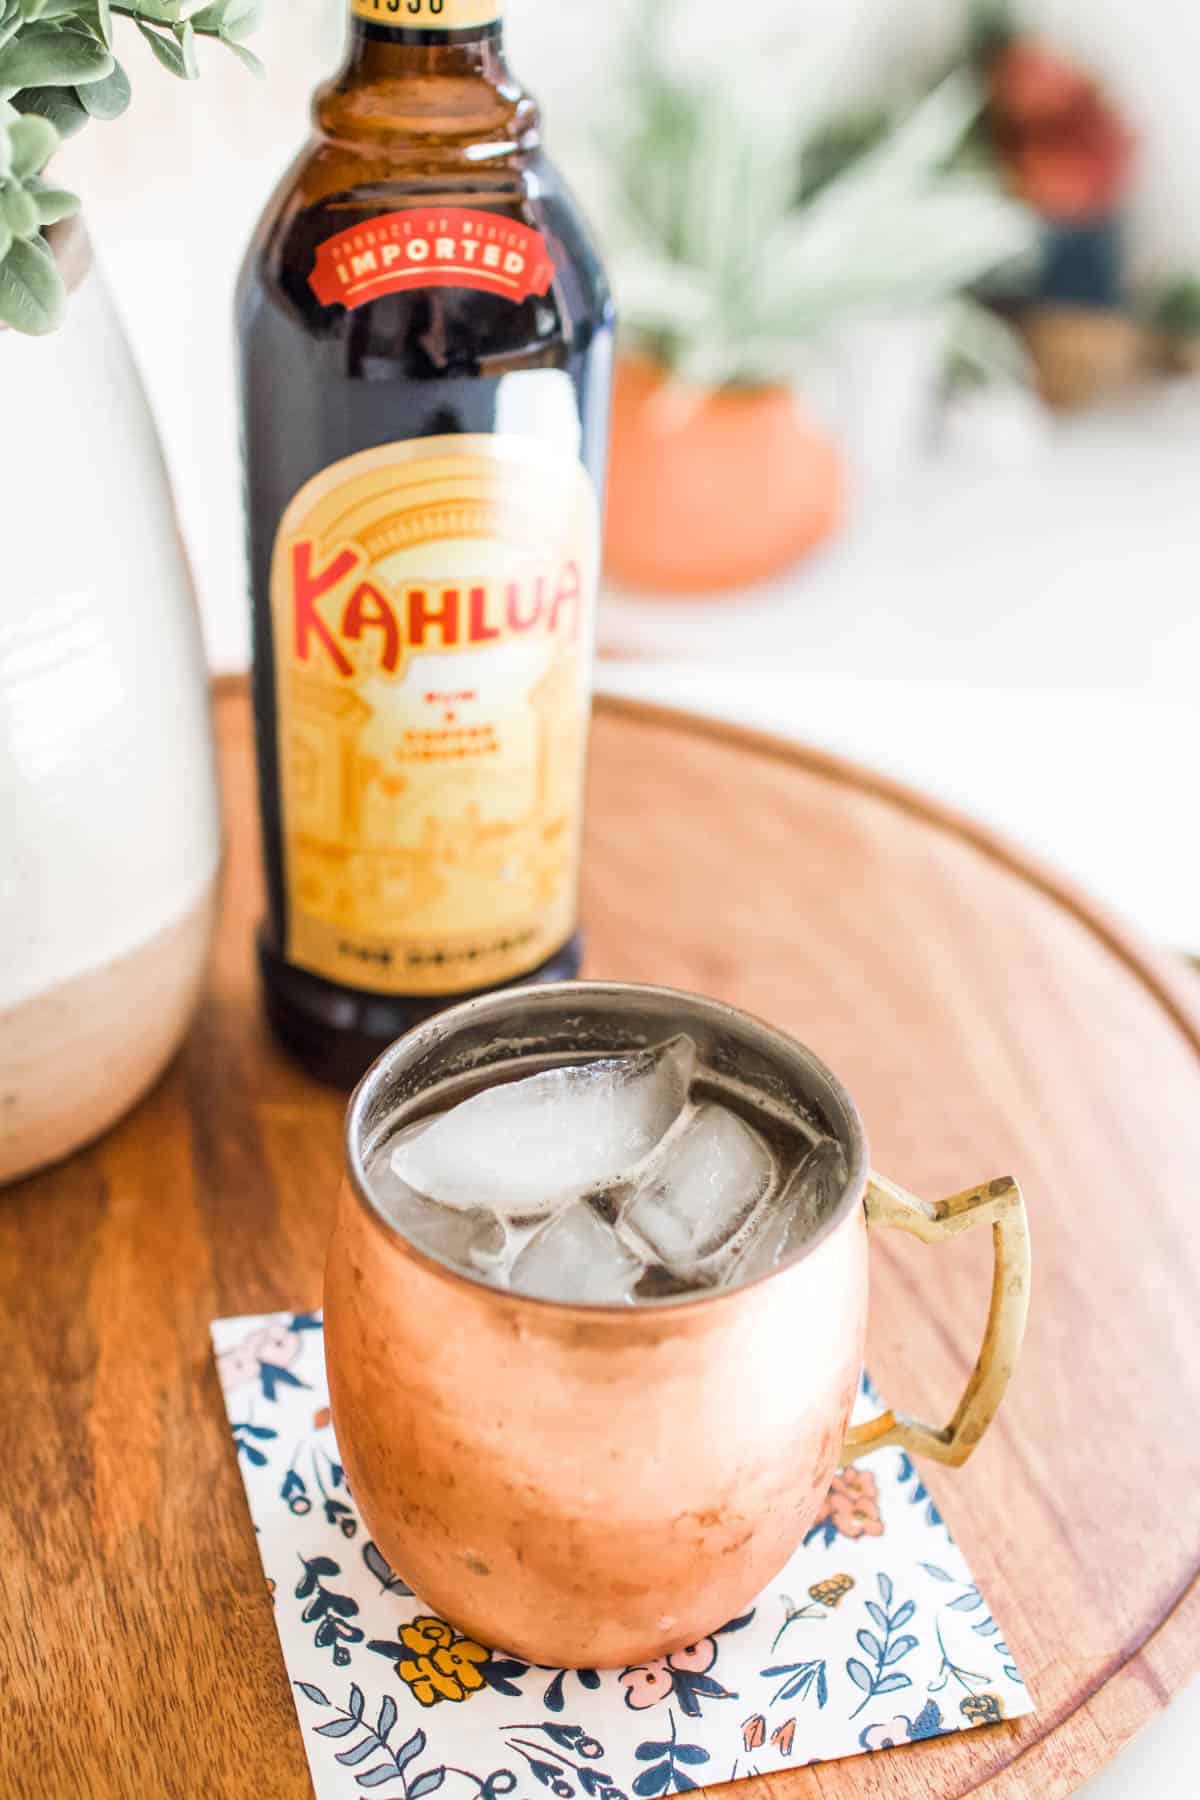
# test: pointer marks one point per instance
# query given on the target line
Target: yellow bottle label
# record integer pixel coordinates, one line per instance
(429, 15)
(433, 608)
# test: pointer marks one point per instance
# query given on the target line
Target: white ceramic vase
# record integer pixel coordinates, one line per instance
(109, 826)
(888, 369)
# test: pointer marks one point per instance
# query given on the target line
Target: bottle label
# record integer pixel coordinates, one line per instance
(433, 608)
(429, 15)
(432, 246)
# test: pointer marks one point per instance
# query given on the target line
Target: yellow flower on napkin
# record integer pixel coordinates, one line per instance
(831, 1593)
(982, 1709)
(426, 1635)
(442, 1666)
(464, 1657)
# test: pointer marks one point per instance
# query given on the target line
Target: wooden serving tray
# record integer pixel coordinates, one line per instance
(988, 1019)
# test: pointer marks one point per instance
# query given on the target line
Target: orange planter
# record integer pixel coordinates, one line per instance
(721, 490)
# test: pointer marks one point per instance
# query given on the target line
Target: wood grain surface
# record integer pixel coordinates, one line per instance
(988, 1021)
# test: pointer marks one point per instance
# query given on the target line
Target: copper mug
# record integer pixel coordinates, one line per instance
(589, 1486)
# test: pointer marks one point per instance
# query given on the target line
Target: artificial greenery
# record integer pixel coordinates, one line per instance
(744, 226)
(58, 70)
(991, 27)
(1175, 308)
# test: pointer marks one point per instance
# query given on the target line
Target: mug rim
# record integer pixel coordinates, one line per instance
(442, 1025)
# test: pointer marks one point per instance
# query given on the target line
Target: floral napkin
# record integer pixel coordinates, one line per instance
(874, 1635)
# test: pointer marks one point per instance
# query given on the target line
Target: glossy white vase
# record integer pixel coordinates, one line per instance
(109, 826)
(888, 369)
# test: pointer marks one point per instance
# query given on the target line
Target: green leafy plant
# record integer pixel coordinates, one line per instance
(1175, 308)
(744, 224)
(58, 70)
(991, 27)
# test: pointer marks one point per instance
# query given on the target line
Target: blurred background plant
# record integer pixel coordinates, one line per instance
(756, 242)
(58, 71)
(1060, 141)
(1063, 145)
(744, 223)
(1173, 320)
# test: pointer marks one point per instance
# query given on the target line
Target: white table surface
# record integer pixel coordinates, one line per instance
(1101, 784)
(1022, 639)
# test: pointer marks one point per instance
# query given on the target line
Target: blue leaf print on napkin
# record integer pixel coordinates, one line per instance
(242, 1433)
(271, 1378)
(885, 1646)
(330, 1609)
(666, 1775)
(553, 1763)
(908, 1473)
(554, 1699)
(800, 1678)
(351, 1720)
(377, 1563)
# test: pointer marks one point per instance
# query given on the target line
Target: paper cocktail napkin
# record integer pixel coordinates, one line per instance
(875, 1634)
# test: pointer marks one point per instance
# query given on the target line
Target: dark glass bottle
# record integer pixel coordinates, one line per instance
(426, 344)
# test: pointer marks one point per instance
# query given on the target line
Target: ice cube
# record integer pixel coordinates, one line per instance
(701, 1192)
(465, 1240)
(807, 1200)
(577, 1258)
(468, 1241)
(527, 1148)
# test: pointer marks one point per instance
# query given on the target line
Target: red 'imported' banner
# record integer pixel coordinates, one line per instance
(431, 246)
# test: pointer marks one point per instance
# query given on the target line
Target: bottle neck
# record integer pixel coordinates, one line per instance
(376, 54)
(415, 67)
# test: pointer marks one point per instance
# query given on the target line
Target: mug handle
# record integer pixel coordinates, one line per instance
(1001, 1205)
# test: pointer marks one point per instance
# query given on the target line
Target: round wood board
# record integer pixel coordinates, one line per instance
(989, 1021)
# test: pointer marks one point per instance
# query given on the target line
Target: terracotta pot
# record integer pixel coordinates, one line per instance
(108, 794)
(592, 1486)
(715, 490)
(1082, 353)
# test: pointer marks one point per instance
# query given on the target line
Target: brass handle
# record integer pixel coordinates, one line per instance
(1002, 1206)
